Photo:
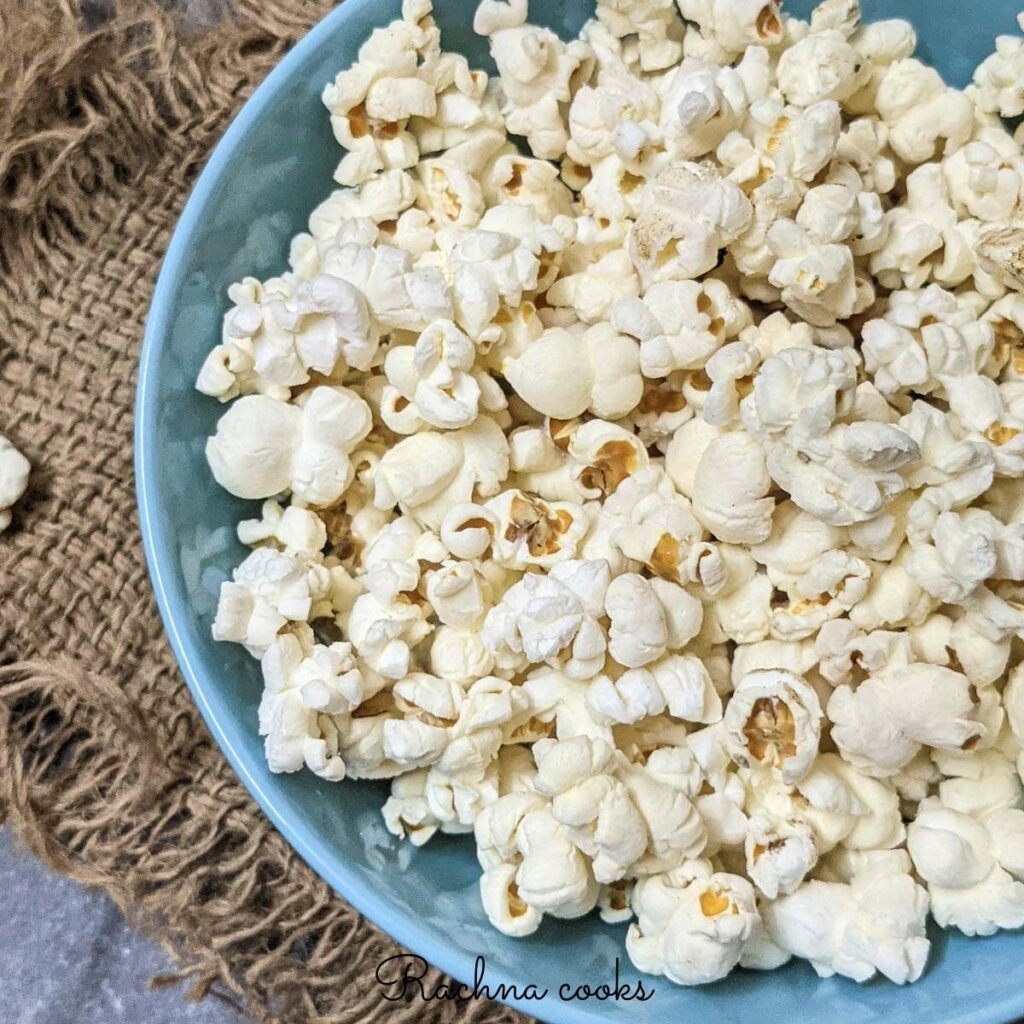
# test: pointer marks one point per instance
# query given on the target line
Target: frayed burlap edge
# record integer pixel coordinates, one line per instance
(106, 771)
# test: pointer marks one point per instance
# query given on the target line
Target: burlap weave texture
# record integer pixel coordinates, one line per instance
(106, 771)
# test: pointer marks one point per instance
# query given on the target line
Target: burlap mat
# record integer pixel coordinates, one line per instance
(106, 771)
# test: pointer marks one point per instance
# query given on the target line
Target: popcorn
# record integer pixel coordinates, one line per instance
(603, 455)
(269, 591)
(594, 805)
(871, 925)
(734, 26)
(400, 295)
(650, 523)
(998, 78)
(541, 616)
(730, 490)
(427, 471)
(680, 324)
(821, 66)
(691, 923)
(816, 281)
(302, 694)
(774, 719)
(563, 373)
(14, 470)
(984, 178)
(921, 111)
(687, 213)
(965, 866)
(297, 531)
(530, 866)
(647, 618)
(644, 497)
(923, 239)
(678, 682)
(537, 72)
(880, 726)
(701, 104)
(529, 531)
(844, 806)
(779, 856)
(277, 335)
(655, 23)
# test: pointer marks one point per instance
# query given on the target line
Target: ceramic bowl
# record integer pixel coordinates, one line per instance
(272, 167)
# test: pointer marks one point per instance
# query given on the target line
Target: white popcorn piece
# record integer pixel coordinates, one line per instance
(681, 324)
(921, 111)
(435, 378)
(611, 111)
(774, 719)
(384, 633)
(998, 79)
(406, 812)
(603, 455)
(276, 335)
(734, 26)
(529, 531)
(873, 924)
(538, 72)
(468, 530)
(268, 591)
(845, 476)
(14, 471)
(647, 618)
(779, 854)
(564, 373)
(923, 238)
(730, 490)
(844, 806)
(400, 294)
(881, 725)
(591, 293)
(821, 66)
(297, 531)
(595, 806)
(489, 271)
(655, 23)
(263, 447)
(701, 104)
(650, 523)
(835, 584)
(428, 471)
(687, 214)
(541, 616)
(963, 552)
(974, 881)
(692, 923)
(816, 280)
(458, 655)
(984, 178)
(302, 694)
(678, 683)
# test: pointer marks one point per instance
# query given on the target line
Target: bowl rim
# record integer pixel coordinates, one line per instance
(406, 930)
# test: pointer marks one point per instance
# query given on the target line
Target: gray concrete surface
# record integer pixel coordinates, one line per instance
(67, 956)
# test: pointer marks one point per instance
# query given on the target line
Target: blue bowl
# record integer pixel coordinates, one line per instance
(272, 167)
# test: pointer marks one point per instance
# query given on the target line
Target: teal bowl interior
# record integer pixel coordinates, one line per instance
(272, 167)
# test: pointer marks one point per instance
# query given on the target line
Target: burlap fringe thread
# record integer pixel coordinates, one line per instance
(106, 771)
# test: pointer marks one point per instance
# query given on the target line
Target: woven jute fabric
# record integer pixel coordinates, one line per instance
(106, 770)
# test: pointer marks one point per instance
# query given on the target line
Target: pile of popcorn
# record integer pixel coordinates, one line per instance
(651, 506)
